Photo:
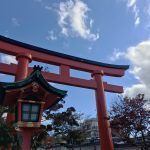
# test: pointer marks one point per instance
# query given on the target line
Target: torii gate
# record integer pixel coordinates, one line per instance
(25, 53)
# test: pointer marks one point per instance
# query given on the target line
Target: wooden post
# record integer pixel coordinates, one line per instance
(103, 123)
(27, 134)
(22, 72)
(22, 67)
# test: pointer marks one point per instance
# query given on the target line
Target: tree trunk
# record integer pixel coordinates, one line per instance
(144, 142)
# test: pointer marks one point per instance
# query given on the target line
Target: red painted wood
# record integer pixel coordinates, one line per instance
(9, 69)
(65, 71)
(27, 134)
(50, 100)
(22, 72)
(38, 56)
(10, 117)
(41, 111)
(112, 88)
(19, 111)
(51, 77)
(22, 68)
(104, 126)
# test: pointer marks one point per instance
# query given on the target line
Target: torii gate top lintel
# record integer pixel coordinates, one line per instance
(65, 62)
(28, 47)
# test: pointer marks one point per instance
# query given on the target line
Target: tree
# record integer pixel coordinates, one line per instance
(8, 136)
(74, 137)
(59, 124)
(131, 119)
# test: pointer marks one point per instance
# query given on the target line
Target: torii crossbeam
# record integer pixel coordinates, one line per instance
(25, 53)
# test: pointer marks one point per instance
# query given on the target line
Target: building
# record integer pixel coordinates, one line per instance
(91, 127)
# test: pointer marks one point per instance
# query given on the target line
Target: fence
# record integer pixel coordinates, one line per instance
(91, 147)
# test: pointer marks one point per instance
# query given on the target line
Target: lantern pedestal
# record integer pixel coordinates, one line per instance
(27, 135)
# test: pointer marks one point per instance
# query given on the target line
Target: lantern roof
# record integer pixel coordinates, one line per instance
(28, 86)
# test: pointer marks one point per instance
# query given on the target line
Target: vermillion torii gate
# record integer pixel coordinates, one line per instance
(26, 53)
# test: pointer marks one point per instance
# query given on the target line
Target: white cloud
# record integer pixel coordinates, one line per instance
(137, 21)
(135, 8)
(134, 90)
(140, 10)
(91, 22)
(136, 14)
(139, 57)
(66, 45)
(148, 8)
(117, 55)
(73, 20)
(45, 5)
(39, 1)
(6, 33)
(48, 7)
(15, 22)
(131, 3)
(147, 12)
(90, 48)
(51, 36)
(8, 59)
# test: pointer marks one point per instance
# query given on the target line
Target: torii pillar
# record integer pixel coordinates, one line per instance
(103, 123)
(22, 72)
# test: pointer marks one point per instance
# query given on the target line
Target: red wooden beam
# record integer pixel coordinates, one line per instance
(9, 69)
(112, 88)
(63, 79)
(56, 60)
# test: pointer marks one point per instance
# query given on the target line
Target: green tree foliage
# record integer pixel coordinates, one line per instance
(38, 138)
(74, 137)
(6, 137)
(130, 118)
(60, 124)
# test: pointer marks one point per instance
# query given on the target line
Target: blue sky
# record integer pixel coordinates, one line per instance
(111, 31)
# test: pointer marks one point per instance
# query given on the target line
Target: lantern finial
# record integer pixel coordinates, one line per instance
(37, 67)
